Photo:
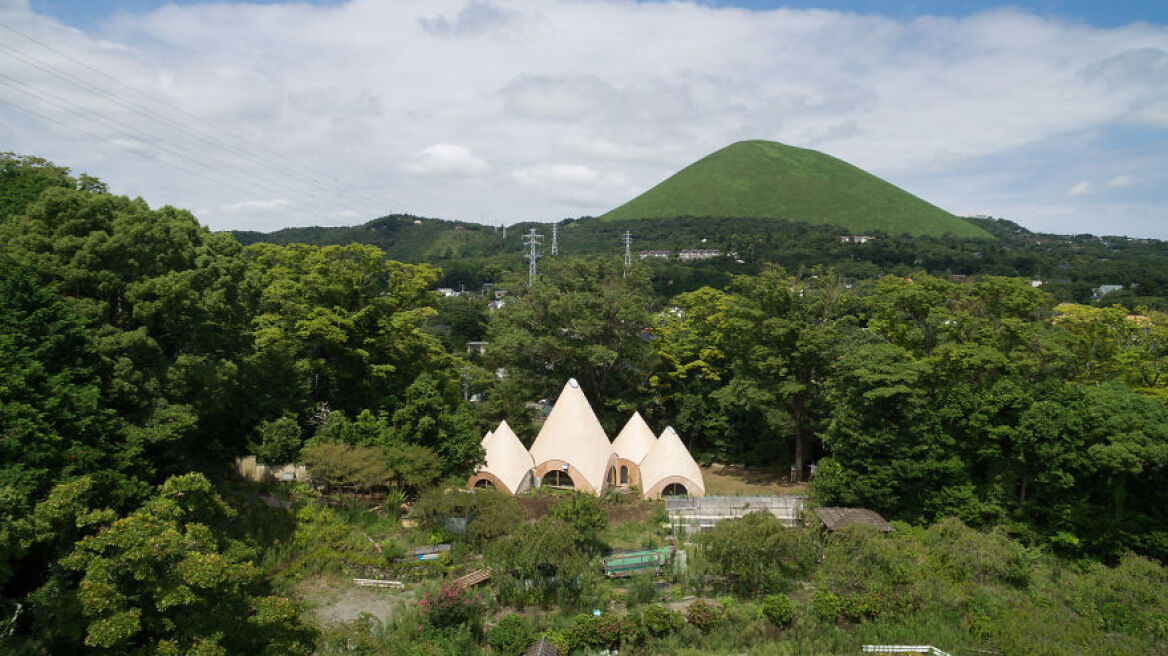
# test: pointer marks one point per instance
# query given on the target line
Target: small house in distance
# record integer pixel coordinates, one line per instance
(572, 451)
(836, 518)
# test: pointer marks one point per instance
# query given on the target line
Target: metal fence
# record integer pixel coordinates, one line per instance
(696, 514)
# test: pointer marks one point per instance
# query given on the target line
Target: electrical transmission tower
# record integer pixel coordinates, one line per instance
(555, 242)
(531, 242)
(628, 252)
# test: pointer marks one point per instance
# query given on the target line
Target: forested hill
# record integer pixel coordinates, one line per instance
(766, 179)
(1070, 266)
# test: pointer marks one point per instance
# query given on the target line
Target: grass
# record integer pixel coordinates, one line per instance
(765, 179)
(738, 480)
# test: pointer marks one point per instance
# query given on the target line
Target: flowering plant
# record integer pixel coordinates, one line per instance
(452, 605)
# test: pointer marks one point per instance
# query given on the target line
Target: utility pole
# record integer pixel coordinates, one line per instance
(628, 252)
(531, 242)
(555, 242)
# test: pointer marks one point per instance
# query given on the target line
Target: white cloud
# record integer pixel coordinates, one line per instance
(466, 109)
(1120, 181)
(544, 174)
(1079, 188)
(446, 160)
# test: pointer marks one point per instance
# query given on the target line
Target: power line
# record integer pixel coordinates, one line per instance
(127, 148)
(273, 160)
(159, 143)
(276, 162)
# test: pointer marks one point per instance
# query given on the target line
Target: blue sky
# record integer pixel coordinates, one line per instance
(1102, 13)
(267, 115)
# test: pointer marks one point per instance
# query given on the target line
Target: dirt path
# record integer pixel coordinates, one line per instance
(339, 600)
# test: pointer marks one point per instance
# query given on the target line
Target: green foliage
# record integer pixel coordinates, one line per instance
(495, 514)
(779, 609)
(756, 553)
(537, 563)
(344, 465)
(704, 616)
(583, 319)
(452, 606)
(660, 621)
(865, 574)
(510, 636)
(279, 441)
(773, 180)
(161, 581)
(585, 514)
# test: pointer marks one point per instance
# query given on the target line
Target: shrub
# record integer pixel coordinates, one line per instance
(510, 636)
(279, 441)
(642, 589)
(452, 606)
(757, 553)
(584, 513)
(495, 513)
(660, 621)
(603, 631)
(779, 609)
(703, 616)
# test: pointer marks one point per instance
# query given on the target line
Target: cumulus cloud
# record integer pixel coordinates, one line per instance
(476, 17)
(1119, 181)
(1079, 188)
(526, 109)
(446, 159)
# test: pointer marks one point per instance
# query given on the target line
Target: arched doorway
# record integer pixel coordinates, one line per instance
(611, 479)
(557, 478)
(675, 490)
(484, 484)
(624, 475)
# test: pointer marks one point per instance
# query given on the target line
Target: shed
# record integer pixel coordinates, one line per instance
(836, 518)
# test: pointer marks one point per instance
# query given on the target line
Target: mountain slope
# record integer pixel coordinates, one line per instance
(765, 179)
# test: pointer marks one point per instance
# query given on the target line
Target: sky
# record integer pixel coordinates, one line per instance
(263, 115)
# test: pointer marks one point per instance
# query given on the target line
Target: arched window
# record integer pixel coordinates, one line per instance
(675, 490)
(484, 483)
(611, 480)
(558, 478)
(624, 475)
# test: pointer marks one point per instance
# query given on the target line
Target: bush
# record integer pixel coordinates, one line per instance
(584, 513)
(603, 631)
(660, 621)
(757, 553)
(452, 606)
(642, 589)
(779, 609)
(510, 636)
(279, 442)
(703, 616)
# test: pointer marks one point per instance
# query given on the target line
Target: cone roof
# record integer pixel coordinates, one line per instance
(635, 440)
(669, 457)
(507, 459)
(573, 434)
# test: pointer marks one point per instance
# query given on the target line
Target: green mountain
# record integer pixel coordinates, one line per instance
(765, 179)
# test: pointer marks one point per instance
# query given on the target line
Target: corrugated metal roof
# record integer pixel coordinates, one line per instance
(836, 518)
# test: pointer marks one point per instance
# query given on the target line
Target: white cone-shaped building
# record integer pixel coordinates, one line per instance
(572, 449)
(631, 446)
(508, 464)
(669, 469)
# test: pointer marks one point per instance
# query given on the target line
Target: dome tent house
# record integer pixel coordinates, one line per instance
(507, 466)
(573, 451)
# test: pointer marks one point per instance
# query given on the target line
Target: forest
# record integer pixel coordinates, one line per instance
(1017, 436)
